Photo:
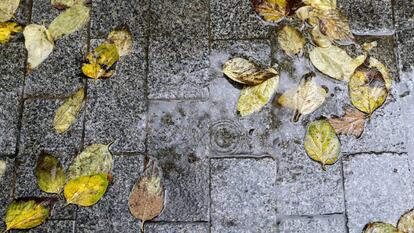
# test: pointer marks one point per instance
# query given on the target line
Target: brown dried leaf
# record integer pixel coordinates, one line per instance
(271, 10)
(246, 72)
(146, 200)
(352, 122)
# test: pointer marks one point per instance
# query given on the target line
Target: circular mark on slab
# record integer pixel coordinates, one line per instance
(225, 136)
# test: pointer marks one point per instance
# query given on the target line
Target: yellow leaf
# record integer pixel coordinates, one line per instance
(69, 21)
(39, 44)
(122, 39)
(291, 40)
(374, 63)
(367, 90)
(3, 167)
(303, 13)
(333, 24)
(321, 4)
(254, 98)
(335, 62)
(67, 113)
(62, 4)
(379, 227)
(304, 99)
(95, 159)
(320, 39)
(26, 213)
(86, 190)
(321, 143)
(271, 10)
(146, 200)
(100, 61)
(369, 46)
(50, 174)
(7, 29)
(7, 9)
(245, 72)
(406, 222)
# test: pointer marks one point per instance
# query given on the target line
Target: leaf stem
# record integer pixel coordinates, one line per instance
(142, 226)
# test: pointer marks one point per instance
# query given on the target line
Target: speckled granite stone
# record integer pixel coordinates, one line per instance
(404, 13)
(7, 185)
(405, 45)
(178, 68)
(176, 227)
(235, 19)
(377, 188)
(12, 68)
(240, 201)
(108, 14)
(111, 213)
(9, 120)
(53, 226)
(320, 224)
(372, 17)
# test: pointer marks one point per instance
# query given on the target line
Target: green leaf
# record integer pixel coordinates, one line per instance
(50, 174)
(380, 227)
(70, 21)
(67, 113)
(7, 9)
(86, 190)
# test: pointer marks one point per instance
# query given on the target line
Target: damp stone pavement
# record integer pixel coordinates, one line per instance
(169, 100)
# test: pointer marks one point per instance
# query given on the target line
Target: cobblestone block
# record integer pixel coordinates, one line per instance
(320, 224)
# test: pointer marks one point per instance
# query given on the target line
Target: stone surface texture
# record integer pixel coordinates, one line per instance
(168, 99)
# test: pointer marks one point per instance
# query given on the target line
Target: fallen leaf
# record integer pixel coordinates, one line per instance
(50, 174)
(333, 24)
(26, 213)
(369, 46)
(406, 222)
(254, 98)
(69, 21)
(291, 40)
(101, 61)
(67, 113)
(146, 200)
(271, 10)
(86, 190)
(374, 63)
(379, 227)
(7, 9)
(352, 123)
(245, 72)
(321, 4)
(321, 143)
(335, 62)
(7, 29)
(304, 99)
(3, 167)
(367, 90)
(63, 4)
(303, 13)
(122, 39)
(320, 39)
(39, 44)
(95, 159)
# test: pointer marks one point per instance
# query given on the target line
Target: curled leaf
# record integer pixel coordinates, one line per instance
(86, 190)
(304, 99)
(406, 222)
(291, 40)
(352, 123)
(320, 39)
(3, 166)
(67, 113)
(253, 98)
(271, 10)
(303, 13)
(335, 62)
(7, 29)
(380, 227)
(321, 143)
(245, 72)
(146, 200)
(95, 159)
(367, 90)
(374, 63)
(26, 213)
(122, 39)
(50, 174)
(7, 9)
(69, 21)
(39, 44)
(62, 4)
(101, 61)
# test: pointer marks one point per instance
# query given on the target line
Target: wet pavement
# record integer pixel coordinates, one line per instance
(169, 100)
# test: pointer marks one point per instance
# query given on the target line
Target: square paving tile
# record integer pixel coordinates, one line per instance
(319, 224)
(372, 17)
(176, 227)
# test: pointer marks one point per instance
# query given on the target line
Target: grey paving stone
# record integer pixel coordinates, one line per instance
(111, 213)
(243, 195)
(107, 15)
(9, 121)
(61, 226)
(7, 185)
(377, 188)
(403, 13)
(405, 44)
(60, 74)
(178, 68)
(37, 131)
(235, 19)
(43, 12)
(371, 17)
(321, 224)
(176, 227)
(22, 14)
(12, 68)
(171, 17)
